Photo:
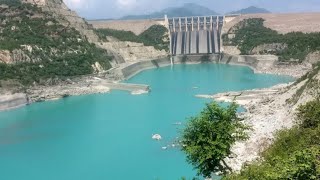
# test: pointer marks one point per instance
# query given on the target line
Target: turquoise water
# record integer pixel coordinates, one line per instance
(108, 137)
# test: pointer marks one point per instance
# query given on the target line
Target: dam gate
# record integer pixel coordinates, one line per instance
(195, 35)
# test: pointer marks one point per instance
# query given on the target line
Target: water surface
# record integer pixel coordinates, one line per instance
(108, 136)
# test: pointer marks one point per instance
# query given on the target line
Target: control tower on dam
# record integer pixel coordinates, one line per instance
(195, 35)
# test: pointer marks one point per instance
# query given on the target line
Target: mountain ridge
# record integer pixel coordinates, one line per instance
(188, 9)
(250, 10)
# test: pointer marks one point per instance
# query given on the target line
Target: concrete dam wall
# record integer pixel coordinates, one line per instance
(195, 35)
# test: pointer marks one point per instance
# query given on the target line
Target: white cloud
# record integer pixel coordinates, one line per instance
(93, 9)
(126, 3)
(76, 4)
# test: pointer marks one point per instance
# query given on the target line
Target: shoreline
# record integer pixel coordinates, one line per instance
(97, 85)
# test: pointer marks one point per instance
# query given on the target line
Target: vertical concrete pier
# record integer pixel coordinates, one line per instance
(195, 35)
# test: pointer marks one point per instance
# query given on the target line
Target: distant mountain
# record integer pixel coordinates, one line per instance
(188, 9)
(250, 10)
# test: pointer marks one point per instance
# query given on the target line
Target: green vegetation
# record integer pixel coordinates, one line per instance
(155, 36)
(43, 48)
(11, 2)
(309, 115)
(207, 138)
(295, 153)
(251, 33)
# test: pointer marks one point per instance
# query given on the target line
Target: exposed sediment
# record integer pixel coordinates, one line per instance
(268, 64)
(11, 101)
(81, 86)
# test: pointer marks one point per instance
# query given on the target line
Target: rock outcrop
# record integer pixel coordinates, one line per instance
(272, 48)
(5, 57)
(313, 57)
(232, 50)
(16, 56)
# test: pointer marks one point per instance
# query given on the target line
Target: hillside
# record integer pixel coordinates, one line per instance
(37, 46)
(188, 9)
(291, 151)
(250, 10)
(155, 36)
(251, 37)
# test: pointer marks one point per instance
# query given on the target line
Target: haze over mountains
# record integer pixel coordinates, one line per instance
(191, 9)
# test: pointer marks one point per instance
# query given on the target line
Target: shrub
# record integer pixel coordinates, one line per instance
(309, 114)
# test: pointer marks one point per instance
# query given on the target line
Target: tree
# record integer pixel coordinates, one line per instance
(208, 137)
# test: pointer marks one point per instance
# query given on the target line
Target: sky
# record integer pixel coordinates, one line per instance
(107, 9)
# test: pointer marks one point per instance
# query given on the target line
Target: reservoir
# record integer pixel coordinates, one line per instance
(109, 136)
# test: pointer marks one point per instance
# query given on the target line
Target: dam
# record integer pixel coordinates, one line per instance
(195, 35)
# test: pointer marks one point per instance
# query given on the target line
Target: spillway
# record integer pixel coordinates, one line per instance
(195, 35)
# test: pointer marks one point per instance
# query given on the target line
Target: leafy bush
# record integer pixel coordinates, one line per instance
(309, 114)
(207, 138)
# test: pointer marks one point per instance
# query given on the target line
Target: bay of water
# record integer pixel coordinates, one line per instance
(108, 136)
